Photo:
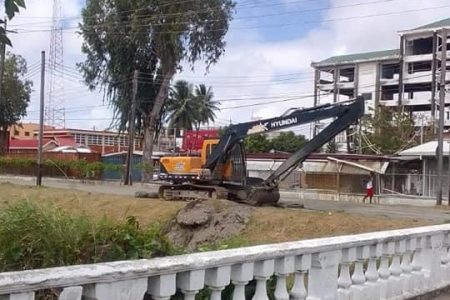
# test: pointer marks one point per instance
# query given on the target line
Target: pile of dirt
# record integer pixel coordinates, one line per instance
(205, 222)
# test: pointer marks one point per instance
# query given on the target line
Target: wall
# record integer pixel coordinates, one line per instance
(366, 81)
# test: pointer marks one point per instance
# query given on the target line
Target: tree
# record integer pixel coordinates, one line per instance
(288, 142)
(207, 106)
(154, 37)
(183, 110)
(15, 95)
(257, 143)
(11, 8)
(387, 131)
(332, 147)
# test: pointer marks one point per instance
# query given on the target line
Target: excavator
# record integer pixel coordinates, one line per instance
(220, 170)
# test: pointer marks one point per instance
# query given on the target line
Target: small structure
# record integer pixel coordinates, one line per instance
(415, 170)
(30, 146)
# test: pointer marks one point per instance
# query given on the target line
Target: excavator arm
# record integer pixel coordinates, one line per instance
(345, 114)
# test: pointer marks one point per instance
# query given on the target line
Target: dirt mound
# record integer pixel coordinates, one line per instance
(201, 222)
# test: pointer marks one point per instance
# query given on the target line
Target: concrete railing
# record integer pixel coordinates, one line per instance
(396, 264)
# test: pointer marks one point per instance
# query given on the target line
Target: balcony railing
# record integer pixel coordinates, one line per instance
(397, 264)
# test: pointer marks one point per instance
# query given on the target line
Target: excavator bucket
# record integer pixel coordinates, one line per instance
(263, 197)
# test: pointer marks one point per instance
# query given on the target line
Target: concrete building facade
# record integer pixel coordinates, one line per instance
(406, 77)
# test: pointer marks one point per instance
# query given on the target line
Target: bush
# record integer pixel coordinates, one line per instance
(33, 236)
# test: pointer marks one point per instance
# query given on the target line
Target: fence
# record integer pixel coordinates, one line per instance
(413, 184)
(398, 264)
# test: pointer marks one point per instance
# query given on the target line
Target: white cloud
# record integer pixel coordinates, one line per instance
(252, 64)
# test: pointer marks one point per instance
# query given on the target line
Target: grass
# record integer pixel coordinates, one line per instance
(267, 224)
(39, 236)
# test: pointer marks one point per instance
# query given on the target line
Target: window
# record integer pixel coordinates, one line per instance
(16, 132)
(27, 133)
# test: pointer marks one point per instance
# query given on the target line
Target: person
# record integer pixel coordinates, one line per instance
(369, 189)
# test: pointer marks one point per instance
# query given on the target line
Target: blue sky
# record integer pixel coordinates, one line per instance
(270, 46)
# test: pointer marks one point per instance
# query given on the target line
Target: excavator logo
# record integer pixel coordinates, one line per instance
(282, 123)
(261, 127)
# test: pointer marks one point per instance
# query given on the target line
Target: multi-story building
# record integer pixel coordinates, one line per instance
(25, 130)
(408, 76)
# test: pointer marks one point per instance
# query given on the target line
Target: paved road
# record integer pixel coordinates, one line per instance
(434, 215)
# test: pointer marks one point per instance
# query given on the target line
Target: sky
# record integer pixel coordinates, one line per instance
(266, 68)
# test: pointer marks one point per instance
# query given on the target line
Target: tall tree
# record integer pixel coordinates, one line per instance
(11, 8)
(15, 95)
(207, 106)
(157, 36)
(388, 131)
(183, 110)
(258, 143)
(288, 142)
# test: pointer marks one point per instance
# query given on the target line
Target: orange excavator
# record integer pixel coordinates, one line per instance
(221, 172)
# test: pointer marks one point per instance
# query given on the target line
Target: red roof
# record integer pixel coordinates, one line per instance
(26, 144)
(66, 142)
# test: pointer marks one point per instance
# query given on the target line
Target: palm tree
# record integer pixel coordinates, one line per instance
(207, 107)
(182, 108)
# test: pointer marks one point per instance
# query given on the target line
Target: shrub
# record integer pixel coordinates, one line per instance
(34, 236)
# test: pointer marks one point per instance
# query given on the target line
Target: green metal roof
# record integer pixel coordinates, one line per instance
(351, 58)
(441, 23)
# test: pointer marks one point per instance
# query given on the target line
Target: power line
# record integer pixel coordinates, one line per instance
(277, 25)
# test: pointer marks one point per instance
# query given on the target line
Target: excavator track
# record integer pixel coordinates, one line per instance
(191, 192)
(185, 192)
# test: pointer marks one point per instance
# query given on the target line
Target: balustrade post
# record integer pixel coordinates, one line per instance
(395, 284)
(302, 265)
(241, 274)
(373, 284)
(283, 267)
(118, 290)
(263, 270)
(190, 283)
(22, 296)
(445, 260)
(217, 279)
(431, 259)
(418, 276)
(323, 276)
(162, 287)
(358, 288)
(345, 280)
(71, 293)
(408, 287)
(383, 270)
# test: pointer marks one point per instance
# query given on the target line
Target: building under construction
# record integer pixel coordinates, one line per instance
(408, 76)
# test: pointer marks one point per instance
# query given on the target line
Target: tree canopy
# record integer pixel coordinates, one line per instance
(16, 93)
(285, 142)
(155, 38)
(387, 131)
(11, 8)
(189, 107)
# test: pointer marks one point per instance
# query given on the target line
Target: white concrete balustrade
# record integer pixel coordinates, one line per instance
(397, 264)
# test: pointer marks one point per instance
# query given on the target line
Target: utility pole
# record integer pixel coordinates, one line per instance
(440, 153)
(2, 63)
(2, 72)
(41, 123)
(131, 123)
(448, 183)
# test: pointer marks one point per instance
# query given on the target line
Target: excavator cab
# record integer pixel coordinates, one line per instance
(181, 169)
